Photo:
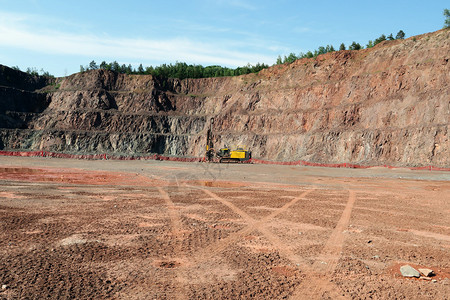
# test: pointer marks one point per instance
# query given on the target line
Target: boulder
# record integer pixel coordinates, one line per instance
(426, 272)
(408, 271)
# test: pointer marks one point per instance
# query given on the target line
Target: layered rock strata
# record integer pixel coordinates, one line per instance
(384, 105)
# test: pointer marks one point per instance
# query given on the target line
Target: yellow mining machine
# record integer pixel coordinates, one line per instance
(239, 154)
(226, 154)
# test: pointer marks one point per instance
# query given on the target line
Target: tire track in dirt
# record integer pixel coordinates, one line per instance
(175, 219)
(176, 226)
(428, 234)
(336, 239)
(231, 206)
(254, 225)
(319, 282)
(333, 247)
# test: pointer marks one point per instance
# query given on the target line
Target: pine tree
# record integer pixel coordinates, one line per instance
(140, 69)
(291, 58)
(355, 46)
(321, 50)
(93, 65)
(380, 39)
(115, 66)
(279, 60)
(447, 18)
(130, 69)
(330, 48)
(400, 35)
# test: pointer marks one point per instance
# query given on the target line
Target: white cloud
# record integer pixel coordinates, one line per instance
(16, 31)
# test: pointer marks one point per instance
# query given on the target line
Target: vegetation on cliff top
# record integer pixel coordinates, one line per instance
(35, 72)
(179, 70)
(329, 48)
(182, 70)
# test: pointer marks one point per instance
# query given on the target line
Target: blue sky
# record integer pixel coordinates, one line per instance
(59, 36)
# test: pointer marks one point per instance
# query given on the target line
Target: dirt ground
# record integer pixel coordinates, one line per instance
(165, 230)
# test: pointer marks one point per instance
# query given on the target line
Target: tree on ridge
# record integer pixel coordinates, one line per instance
(400, 35)
(447, 18)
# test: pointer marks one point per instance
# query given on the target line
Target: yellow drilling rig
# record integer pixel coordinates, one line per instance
(225, 154)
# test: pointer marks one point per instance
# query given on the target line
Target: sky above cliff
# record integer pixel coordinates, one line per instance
(59, 36)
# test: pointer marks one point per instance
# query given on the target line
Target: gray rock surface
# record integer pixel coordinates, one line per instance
(408, 271)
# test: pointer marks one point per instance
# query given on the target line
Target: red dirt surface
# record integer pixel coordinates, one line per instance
(165, 230)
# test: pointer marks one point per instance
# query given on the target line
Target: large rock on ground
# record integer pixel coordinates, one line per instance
(408, 271)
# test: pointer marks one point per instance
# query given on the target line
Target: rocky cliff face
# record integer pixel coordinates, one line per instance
(385, 105)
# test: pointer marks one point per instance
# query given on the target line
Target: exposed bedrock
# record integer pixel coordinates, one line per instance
(386, 105)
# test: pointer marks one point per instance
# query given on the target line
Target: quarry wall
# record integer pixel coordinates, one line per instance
(386, 105)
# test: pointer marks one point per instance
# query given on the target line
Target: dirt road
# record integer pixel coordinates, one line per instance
(164, 230)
